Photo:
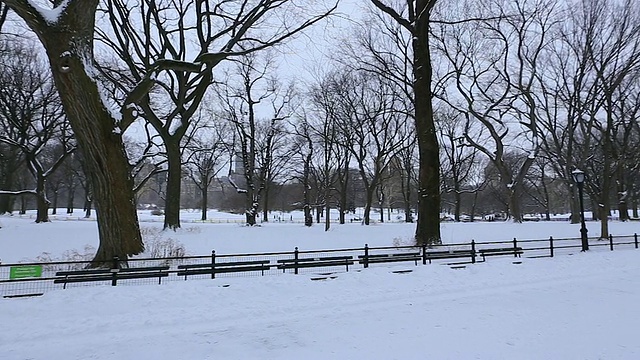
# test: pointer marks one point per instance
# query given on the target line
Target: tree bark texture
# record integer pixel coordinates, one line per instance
(205, 195)
(174, 179)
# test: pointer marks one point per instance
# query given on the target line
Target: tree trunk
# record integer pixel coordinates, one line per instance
(343, 204)
(547, 198)
(69, 46)
(406, 190)
(88, 202)
(514, 206)
(308, 217)
(251, 205)
(623, 210)
(604, 206)
(428, 225)
(205, 200)
(23, 205)
(70, 200)
(6, 183)
(265, 209)
(367, 213)
(327, 219)
(54, 203)
(634, 201)
(458, 202)
(4, 204)
(318, 213)
(472, 213)
(174, 180)
(367, 205)
(250, 218)
(42, 202)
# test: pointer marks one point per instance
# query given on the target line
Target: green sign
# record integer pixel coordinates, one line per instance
(19, 272)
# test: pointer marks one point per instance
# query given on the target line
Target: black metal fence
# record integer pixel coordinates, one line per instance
(26, 279)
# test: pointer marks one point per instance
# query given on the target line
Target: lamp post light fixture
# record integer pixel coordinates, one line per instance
(578, 177)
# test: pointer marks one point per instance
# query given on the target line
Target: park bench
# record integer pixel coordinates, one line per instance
(113, 275)
(515, 251)
(449, 254)
(391, 257)
(223, 267)
(323, 261)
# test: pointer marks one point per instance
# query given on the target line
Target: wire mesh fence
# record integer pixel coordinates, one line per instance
(35, 278)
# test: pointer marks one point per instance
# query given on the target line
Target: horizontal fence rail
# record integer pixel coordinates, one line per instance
(36, 278)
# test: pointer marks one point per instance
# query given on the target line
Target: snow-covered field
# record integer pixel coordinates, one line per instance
(582, 306)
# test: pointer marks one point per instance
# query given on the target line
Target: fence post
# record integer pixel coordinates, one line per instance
(366, 256)
(635, 238)
(213, 264)
(115, 267)
(551, 246)
(295, 262)
(473, 251)
(424, 254)
(611, 242)
(515, 247)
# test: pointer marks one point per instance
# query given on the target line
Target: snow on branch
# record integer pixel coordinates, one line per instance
(18, 193)
(50, 16)
(235, 186)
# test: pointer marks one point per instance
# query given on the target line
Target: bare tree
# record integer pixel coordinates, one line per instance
(458, 159)
(32, 121)
(68, 40)
(614, 52)
(373, 131)
(205, 154)
(257, 137)
(496, 78)
(415, 18)
(328, 112)
(171, 49)
(302, 150)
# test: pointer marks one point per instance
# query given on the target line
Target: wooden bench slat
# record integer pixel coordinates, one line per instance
(144, 269)
(371, 256)
(218, 270)
(448, 254)
(390, 259)
(315, 264)
(500, 251)
(320, 258)
(222, 264)
(142, 275)
(88, 278)
(83, 272)
(517, 251)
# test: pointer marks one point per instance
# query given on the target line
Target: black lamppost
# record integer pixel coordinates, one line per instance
(578, 176)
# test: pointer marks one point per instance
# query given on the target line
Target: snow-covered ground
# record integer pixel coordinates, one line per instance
(582, 306)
